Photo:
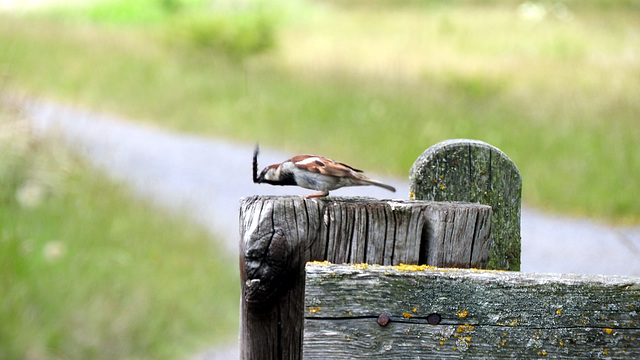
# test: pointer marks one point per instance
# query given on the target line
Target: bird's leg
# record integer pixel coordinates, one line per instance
(317, 195)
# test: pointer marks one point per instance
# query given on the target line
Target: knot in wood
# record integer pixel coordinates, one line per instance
(265, 265)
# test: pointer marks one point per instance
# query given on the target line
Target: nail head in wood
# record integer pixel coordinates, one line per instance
(434, 319)
(383, 319)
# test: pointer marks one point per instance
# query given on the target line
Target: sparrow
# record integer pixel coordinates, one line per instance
(312, 172)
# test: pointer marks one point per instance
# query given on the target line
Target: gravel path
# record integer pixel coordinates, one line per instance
(202, 176)
(206, 177)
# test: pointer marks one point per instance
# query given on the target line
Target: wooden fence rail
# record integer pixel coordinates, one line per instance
(385, 312)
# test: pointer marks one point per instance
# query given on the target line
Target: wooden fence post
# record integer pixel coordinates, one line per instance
(474, 171)
(280, 234)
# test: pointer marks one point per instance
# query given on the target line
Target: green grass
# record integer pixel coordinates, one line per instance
(89, 272)
(375, 85)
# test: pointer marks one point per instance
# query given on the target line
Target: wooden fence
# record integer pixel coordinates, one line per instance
(465, 213)
(386, 312)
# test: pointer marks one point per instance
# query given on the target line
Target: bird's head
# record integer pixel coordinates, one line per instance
(272, 174)
(268, 174)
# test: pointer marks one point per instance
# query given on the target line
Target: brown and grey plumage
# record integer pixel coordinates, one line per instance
(313, 172)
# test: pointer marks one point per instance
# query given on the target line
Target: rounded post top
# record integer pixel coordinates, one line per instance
(474, 171)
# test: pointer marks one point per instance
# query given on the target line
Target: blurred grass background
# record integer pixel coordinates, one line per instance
(553, 84)
(87, 271)
(373, 83)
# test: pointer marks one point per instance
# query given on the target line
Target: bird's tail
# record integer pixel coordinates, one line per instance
(382, 185)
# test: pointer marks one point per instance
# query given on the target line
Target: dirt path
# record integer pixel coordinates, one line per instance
(206, 177)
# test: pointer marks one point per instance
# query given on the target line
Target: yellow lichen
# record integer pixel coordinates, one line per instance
(558, 311)
(361, 266)
(608, 330)
(322, 263)
(408, 268)
(466, 328)
(462, 313)
(314, 310)
(407, 315)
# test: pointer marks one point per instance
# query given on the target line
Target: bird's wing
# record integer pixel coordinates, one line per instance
(322, 165)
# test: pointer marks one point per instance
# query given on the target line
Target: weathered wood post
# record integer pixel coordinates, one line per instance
(280, 234)
(476, 172)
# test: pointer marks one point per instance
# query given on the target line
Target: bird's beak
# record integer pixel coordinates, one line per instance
(256, 179)
(260, 178)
